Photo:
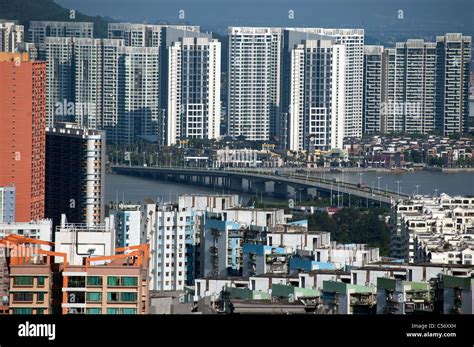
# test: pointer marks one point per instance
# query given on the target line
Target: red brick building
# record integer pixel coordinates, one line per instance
(22, 132)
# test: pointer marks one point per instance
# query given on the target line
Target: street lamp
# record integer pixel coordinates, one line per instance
(398, 190)
(417, 186)
(380, 196)
(331, 193)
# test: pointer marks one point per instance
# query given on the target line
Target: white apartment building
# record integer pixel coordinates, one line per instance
(38, 31)
(39, 230)
(11, 36)
(194, 105)
(410, 97)
(254, 81)
(201, 203)
(139, 109)
(454, 57)
(317, 101)
(373, 82)
(7, 204)
(259, 69)
(169, 260)
(142, 35)
(59, 76)
(102, 84)
(260, 217)
(128, 223)
(353, 39)
(88, 82)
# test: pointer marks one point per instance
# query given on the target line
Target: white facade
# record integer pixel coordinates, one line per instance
(168, 247)
(454, 57)
(194, 105)
(342, 255)
(297, 239)
(259, 217)
(128, 225)
(59, 74)
(433, 229)
(410, 98)
(201, 203)
(39, 230)
(140, 75)
(316, 121)
(254, 81)
(79, 241)
(373, 82)
(11, 36)
(88, 82)
(39, 30)
(142, 35)
(353, 39)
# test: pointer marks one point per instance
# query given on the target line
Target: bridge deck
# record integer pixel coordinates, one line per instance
(295, 180)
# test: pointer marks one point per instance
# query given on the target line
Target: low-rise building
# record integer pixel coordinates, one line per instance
(396, 296)
(433, 229)
(458, 295)
(345, 298)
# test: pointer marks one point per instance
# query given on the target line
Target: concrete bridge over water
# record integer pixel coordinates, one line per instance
(264, 181)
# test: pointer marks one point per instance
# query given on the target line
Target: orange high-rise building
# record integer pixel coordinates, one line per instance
(22, 132)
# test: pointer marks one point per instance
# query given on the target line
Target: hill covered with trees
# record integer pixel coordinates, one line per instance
(26, 10)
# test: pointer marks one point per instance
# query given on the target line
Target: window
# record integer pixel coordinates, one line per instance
(40, 281)
(113, 297)
(23, 297)
(113, 281)
(129, 281)
(128, 297)
(121, 311)
(40, 297)
(22, 311)
(94, 297)
(94, 311)
(25, 281)
(129, 311)
(76, 281)
(40, 311)
(94, 281)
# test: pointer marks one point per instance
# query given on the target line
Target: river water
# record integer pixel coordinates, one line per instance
(136, 189)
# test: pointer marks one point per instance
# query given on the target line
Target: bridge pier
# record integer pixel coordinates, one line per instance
(235, 183)
(280, 190)
(301, 194)
(258, 187)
